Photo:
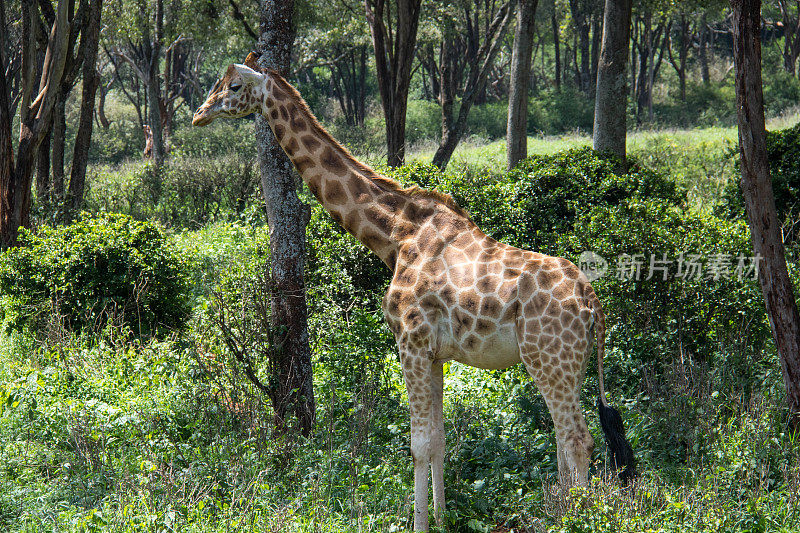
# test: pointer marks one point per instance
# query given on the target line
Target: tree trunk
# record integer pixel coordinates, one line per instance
(597, 33)
(101, 105)
(703, 51)
(791, 34)
(35, 116)
(683, 50)
(152, 53)
(759, 199)
(43, 183)
(611, 99)
(91, 81)
(682, 56)
(651, 75)
(59, 139)
(556, 40)
(287, 217)
(581, 16)
(517, 128)
(6, 120)
(394, 55)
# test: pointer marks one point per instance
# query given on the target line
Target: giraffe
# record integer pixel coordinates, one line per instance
(456, 293)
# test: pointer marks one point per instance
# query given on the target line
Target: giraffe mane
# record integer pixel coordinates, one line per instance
(384, 182)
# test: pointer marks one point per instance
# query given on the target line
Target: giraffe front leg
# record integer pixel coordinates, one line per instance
(437, 441)
(418, 378)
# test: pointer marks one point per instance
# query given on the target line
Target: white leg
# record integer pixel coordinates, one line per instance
(563, 468)
(578, 443)
(417, 374)
(437, 441)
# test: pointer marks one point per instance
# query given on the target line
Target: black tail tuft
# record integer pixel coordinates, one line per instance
(618, 446)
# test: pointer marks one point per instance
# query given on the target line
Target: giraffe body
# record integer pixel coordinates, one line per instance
(456, 293)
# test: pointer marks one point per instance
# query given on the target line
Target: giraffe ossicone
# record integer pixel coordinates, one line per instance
(456, 293)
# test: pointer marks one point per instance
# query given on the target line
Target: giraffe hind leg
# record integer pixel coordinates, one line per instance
(437, 441)
(558, 374)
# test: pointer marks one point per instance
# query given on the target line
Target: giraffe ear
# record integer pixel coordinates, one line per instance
(251, 60)
(248, 75)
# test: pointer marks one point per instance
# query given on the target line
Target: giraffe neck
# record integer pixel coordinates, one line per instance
(345, 187)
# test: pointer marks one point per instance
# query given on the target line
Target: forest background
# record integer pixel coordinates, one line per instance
(137, 349)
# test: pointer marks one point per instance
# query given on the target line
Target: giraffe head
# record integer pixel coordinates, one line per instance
(237, 94)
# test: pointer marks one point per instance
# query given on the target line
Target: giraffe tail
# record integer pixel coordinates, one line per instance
(610, 420)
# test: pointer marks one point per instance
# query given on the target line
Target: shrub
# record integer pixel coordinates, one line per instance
(703, 165)
(341, 272)
(364, 142)
(561, 110)
(97, 269)
(186, 192)
(423, 121)
(783, 150)
(488, 120)
(781, 91)
(708, 104)
(122, 140)
(685, 314)
(222, 138)
(540, 200)
(550, 191)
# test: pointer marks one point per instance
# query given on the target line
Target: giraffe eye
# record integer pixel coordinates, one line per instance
(235, 86)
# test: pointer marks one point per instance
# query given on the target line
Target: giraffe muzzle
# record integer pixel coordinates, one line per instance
(202, 117)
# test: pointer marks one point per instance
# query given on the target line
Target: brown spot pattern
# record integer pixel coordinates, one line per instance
(332, 162)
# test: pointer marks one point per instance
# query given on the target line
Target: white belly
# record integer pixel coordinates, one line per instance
(496, 351)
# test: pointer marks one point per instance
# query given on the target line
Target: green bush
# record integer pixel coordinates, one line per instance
(341, 269)
(689, 314)
(488, 120)
(540, 200)
(423, 121)
(550, 192)
(101, 268)
(783, 150)
(709, 104)
(561, 110)
(702, 163)
(221, 138)
(122, 140)
(364, 142)
(187, 192)
(781, 91)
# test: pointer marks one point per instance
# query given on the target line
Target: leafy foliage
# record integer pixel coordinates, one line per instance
(186, 192)
(124, 433)
(539, 201)
(100, 268)
(783, 150)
